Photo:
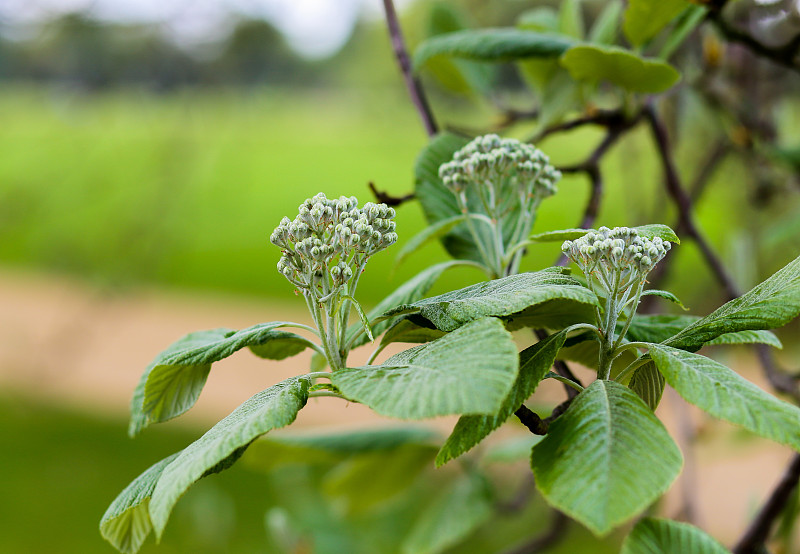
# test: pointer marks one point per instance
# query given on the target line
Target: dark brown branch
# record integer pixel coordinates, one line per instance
(603, 118)
(386, 198)
(779, 379)
(553, 534)
(785, 55)
(683, 202)
(536, 424)
(752, 542)
(413, 84)
(717, 154)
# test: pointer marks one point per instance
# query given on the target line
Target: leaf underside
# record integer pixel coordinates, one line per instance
(664, 536)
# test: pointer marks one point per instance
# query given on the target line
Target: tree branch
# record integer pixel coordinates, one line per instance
(785, 55)
(413, 84)
(536, 424)
(752, 542)
(386, 198)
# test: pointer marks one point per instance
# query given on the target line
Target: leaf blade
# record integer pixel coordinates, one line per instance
(589, 464)
(426, 381)
(656, 536)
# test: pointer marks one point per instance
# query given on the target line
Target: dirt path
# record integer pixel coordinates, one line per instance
(64, 341)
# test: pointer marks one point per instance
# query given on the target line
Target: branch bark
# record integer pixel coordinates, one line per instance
(413, 84)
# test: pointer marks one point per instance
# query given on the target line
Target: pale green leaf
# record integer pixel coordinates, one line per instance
(410, 291)
(606, 458)
(498, 298)
(270, 409)
(688, 22)
(431, 232)
(747, 337)
(645, 18)
(570, 19)
(648, 383)
(451, 517)
(126, 524)
(645, 231)
(665, 536)
(604, 29)
(281, 345)
(468, 371)
(405, 330)
(723, 393)
(534, 363)
(540, 18)
(620, 67)
(173, 381)
(769, 305)
(666, 295)
(511, 450)
(492, 45)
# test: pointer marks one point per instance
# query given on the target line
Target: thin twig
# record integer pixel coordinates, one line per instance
(754, 539)
(386, 198)
(785, 55)
(603, 118)
(413, 84)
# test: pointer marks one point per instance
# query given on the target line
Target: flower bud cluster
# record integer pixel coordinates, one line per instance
(330, 240)
(616, 250)
(505, 164)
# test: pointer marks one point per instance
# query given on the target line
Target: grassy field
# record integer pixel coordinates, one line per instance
(182, 190)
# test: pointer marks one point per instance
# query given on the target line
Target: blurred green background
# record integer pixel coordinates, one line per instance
(131, 160)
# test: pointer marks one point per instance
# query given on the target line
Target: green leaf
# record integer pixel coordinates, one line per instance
(721, 392)
(451, 517)
(126, 524)
(410, 291)
(270, 409)
(662, 327)
(361, 315)
(661, 536)
(604, 29)
(570, 19)
(553, 314)
(511, 450)
(534, 362)
(606, 458)
(405, 330)
(431, 232)
(620, 67)
(541, 18)
(645, 231)
(173, 381)
(665, 295)
(687, 23)
(769, 305)
(492, 45)
(498, 298)
(281, 345)
(468, 371)
(648, 383)
(361, 440)
(645, 18)
(391, 473)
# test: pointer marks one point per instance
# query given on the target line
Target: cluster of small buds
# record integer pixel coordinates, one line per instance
(501, 162)
(616, 250)
(333, 237)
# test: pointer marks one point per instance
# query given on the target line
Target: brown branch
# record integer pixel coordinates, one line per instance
(752, 542)
(412, 83)
(684, 204)
(603, 118)
(536, 424)
(785, 55)
(386, 198)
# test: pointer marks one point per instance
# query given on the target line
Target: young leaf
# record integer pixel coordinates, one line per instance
(606, 458)
(126, 523)
(619, 67)
(648, 383)
(270, 409)
(721, 392)
(451, 517)
(468, 371)
(281, 345)
(173, 381)
(645, 231)
(431, 232)
(410, 291)
(657, 536)
(534, 362)
(604, 29)
(498, 298)
(645, 18)
(665, 295)
(769, 305)
(570, 19)
(492, 45)
(661, 327)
